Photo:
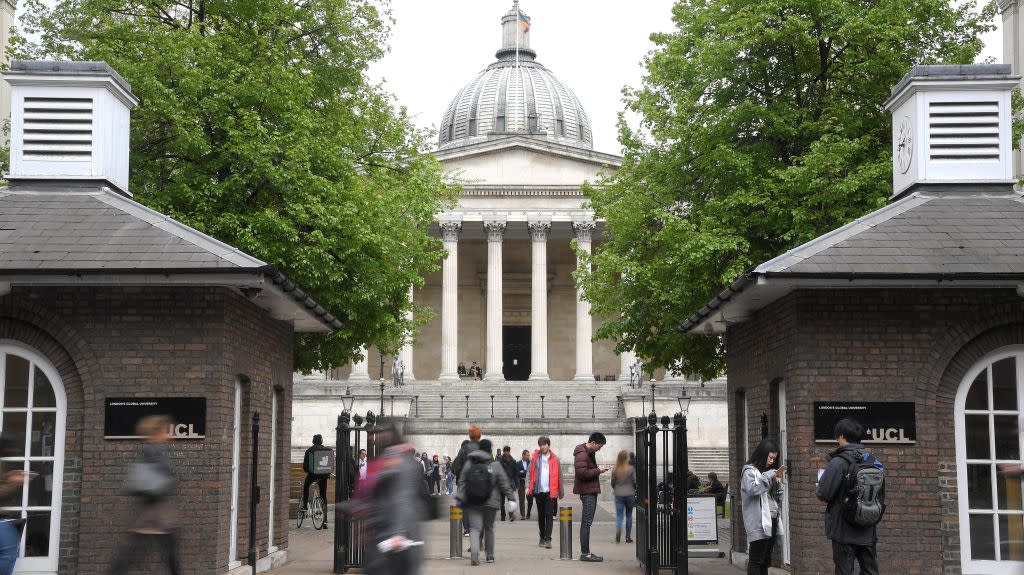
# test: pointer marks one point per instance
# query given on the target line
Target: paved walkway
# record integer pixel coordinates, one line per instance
(516, 551)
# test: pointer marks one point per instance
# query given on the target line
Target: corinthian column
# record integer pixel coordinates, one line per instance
(450, 302)
(361, 369)
(539, 308)
(495, 233)
(584, 328)
(406, 353)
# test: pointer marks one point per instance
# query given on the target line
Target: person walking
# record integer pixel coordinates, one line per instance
(545, 486)
(151, 481)
(394, 508)
(449, 475)
(588, 486)
(482, 480)
(624, 488)
(760, 494)
(508, 464)
(435, 475)
(525, 501)
(850, 541)
(468, 446)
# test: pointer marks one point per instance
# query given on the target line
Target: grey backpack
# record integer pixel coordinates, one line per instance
(864, 496)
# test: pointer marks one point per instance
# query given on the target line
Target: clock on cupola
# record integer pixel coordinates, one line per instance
(948, 133)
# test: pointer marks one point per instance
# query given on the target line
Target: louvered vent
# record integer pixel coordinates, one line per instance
(965, 131)
(57, 129)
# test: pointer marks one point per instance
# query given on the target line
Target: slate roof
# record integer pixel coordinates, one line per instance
(918, 235)
(77, 229)
(931, 237)
(80, 231)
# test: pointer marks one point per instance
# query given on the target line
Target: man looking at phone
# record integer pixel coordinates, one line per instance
(588, 485)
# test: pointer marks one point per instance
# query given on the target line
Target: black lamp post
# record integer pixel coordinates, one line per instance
(682, 455)
(341, 486)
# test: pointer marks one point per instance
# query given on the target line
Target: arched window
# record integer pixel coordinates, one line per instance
(33, 417)
(988, 409)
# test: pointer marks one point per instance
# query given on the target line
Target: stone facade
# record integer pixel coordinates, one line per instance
(161, 341)
(857, 345)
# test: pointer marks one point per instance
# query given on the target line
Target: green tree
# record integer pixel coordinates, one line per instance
(761, 127)
(259, 126)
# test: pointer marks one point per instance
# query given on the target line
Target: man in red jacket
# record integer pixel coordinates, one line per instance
(588, 485)
(545, 485)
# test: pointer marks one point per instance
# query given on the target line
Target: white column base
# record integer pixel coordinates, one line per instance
(584, 377)
(359, 377)
(449, 377)
(539, 377)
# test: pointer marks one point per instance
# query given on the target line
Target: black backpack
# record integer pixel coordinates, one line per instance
(479, 483)
(863, 498)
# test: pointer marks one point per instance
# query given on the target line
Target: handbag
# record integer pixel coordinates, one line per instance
(149, 479)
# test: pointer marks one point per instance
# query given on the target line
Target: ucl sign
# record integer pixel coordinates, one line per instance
(122, 414)
(883, 421)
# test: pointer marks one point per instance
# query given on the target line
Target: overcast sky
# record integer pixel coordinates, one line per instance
(593, 46)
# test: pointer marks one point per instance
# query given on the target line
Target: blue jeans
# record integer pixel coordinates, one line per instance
(9, 544)
(624, 507)
(589, 510)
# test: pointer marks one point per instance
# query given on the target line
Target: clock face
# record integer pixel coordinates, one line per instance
(904, 145)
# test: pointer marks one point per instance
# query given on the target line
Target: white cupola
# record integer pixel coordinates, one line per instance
(69, 122)
(952, 128)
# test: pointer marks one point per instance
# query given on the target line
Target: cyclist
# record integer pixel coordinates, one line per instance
(308, 464)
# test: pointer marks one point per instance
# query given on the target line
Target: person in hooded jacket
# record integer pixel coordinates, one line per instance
(508, 463)
(760, 493)
(395, 507)
(481, 516)
(849, 542)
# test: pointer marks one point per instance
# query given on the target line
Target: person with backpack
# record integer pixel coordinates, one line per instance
(853, 488)
(760, 495)
(468, 446)
(317, 471)
(480, 483)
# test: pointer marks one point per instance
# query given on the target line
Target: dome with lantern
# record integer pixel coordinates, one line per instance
(515, 96)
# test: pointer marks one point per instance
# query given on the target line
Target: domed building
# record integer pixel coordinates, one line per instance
(521, 143)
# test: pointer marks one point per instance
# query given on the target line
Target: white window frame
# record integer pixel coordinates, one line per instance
(41, 565)
(273, 471)
(970, 566)
(236, 448)
(784, 454)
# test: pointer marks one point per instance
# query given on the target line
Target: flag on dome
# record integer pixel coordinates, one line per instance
(524, 20)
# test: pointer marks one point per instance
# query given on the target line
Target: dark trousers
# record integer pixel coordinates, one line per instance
(589, 510)
(137, 544)
(844, 554)
(435, 485)
(545, 514)
(760, 556)
(321, 482)
(525, 502)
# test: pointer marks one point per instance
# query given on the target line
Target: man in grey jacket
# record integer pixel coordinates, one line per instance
(481, 515)
(849, 541)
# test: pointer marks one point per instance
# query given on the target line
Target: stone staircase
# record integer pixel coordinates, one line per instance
(515, 400)
(704, 459)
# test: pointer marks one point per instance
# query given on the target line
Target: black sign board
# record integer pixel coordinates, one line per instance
(188, 414)
(883, 421)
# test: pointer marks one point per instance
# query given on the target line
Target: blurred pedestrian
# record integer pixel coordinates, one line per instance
(525, 501)
(508, 463)
(151, 482)
(624, 487)
(480, 483)
(545, 485)
(588, 486)
(395, 508)
(12, 483)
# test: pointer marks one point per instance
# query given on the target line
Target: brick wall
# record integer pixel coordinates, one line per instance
(879, 345)
(159, 342)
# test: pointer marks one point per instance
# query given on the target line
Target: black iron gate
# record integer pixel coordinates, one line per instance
(353, 434)
(661, 541)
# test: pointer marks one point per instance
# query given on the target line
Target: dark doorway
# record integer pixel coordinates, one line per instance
(516, 352)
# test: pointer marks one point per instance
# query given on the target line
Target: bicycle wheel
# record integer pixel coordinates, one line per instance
(318, 513)
(300, 515)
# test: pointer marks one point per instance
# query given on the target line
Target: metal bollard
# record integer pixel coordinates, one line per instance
(565, 533)
(455, 532)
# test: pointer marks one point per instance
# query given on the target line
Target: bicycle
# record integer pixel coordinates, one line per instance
(317, 510)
